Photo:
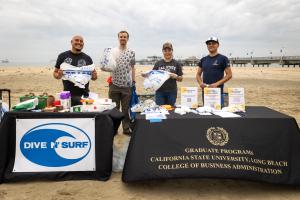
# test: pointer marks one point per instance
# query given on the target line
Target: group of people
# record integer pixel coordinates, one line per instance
(210, 73)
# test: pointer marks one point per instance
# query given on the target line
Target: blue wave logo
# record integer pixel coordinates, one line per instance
(55, 145)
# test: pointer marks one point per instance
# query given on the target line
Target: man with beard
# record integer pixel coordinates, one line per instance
(74, 57)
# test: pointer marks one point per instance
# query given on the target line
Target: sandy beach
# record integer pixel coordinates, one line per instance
(276, 88)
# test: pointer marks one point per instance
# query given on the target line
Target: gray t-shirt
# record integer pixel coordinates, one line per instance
(122, 75)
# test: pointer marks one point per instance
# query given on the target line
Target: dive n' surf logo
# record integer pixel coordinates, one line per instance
(55, 146)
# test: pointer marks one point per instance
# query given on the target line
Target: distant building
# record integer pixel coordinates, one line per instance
(150, 60)
(5, 61)
(190, 61)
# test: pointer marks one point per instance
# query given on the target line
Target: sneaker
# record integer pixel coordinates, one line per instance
(128, 132)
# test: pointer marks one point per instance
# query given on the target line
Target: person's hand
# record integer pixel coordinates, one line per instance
(58, 74)
(203, 85)
(214, 85)
(94, 75)
(144, 75)
(173, 76)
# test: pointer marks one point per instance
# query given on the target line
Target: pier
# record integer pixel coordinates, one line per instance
(266, 61)
(288, 61)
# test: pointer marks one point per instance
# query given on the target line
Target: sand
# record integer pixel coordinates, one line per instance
(277, 88)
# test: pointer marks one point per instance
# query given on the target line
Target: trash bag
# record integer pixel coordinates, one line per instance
(80, 76)
(3, 109)
(109, 80)
(119, 155)
(133, 101)
(154, 79)
(108, 61)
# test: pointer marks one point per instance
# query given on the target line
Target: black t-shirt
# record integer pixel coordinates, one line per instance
(213, 68)
(77, 60)
(174, 67)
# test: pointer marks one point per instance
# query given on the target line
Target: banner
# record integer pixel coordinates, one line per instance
(52, 145)
(80, 76)
(263, 145)
(189, 97)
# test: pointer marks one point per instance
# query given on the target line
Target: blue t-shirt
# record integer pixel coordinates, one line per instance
(213, 68)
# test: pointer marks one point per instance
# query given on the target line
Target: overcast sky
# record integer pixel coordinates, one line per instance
(37, 31)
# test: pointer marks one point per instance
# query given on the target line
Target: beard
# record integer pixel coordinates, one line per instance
(78, 49)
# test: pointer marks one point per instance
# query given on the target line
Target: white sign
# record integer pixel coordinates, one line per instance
(189, 97)
(52, 145)
(236, 97)
(212, 98)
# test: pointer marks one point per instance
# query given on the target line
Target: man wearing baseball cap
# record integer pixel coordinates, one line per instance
(212, 67)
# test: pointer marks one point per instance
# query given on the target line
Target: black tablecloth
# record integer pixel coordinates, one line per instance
(106, 126)
(263, 145)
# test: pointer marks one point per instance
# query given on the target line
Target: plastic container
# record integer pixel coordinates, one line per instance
(224, 99)
(65, 99)
(42, 99)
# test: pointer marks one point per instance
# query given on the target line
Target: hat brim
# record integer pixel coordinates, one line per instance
(211, 41)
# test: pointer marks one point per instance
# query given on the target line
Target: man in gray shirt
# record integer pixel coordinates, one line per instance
(123, 78)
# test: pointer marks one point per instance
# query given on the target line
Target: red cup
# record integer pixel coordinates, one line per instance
(56, 103)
